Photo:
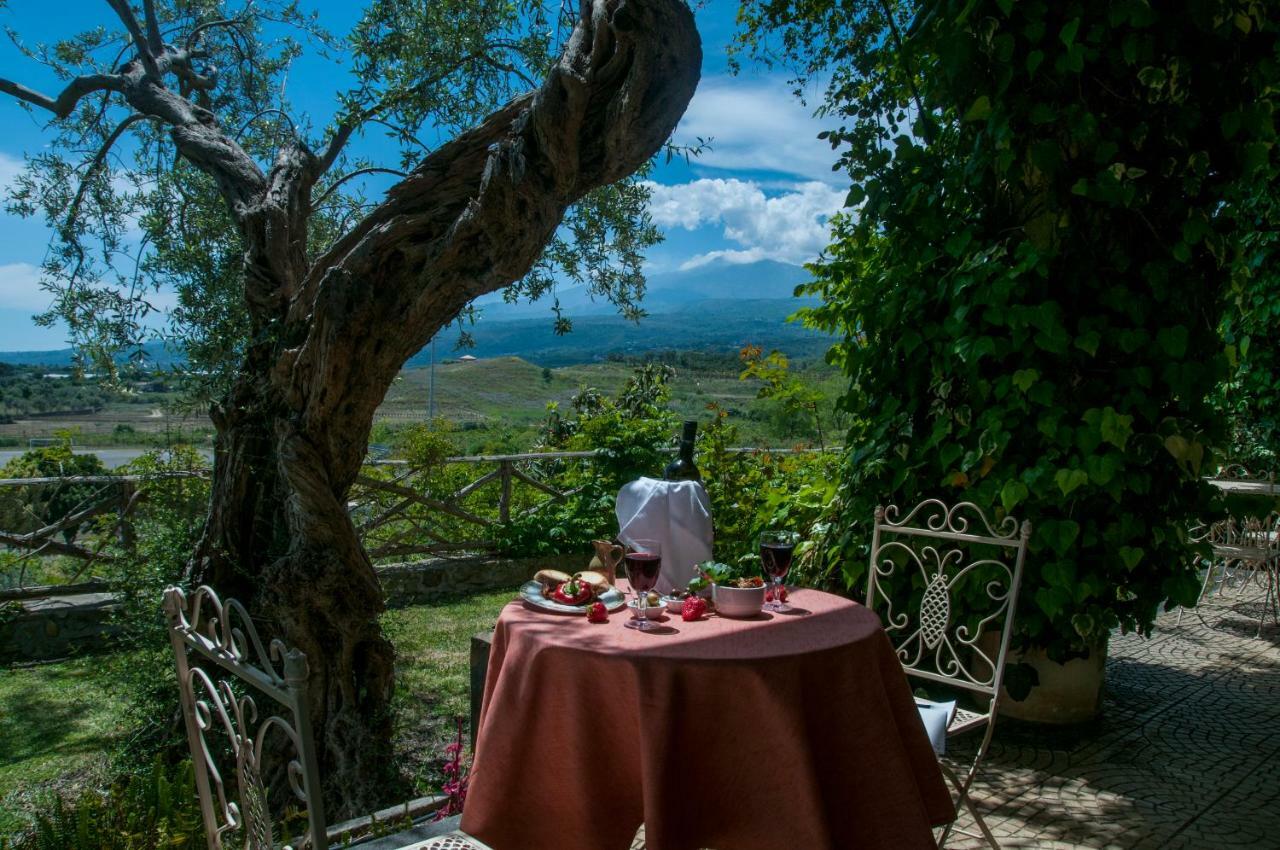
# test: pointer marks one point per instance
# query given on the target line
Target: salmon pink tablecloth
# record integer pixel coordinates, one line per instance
(788, 732)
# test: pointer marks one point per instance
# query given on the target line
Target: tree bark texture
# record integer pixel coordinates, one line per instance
(330, 335)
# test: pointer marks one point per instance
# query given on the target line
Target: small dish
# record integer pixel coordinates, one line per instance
(653, 612)
(675, 604)
(738, 601)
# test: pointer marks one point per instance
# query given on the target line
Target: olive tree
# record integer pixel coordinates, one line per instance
(176, 158)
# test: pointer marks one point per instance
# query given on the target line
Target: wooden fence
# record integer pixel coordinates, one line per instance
(456, 506)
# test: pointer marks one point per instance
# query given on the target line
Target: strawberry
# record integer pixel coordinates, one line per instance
(693, 609)
(597, 613)
(782, 594)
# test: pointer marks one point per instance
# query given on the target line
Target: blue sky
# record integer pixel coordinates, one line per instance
(763, 191)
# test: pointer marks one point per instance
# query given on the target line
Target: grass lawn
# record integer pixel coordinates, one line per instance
(59, 722)
(433, 645)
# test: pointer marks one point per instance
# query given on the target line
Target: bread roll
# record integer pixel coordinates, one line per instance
(550, 578)
(597, 580)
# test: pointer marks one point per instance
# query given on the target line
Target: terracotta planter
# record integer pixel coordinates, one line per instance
(1067, 693)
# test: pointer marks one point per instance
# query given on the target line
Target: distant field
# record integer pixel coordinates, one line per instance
(499, 394)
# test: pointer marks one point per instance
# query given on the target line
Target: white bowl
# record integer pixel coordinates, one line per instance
(738, 601)
(653, 612)
(675, 605)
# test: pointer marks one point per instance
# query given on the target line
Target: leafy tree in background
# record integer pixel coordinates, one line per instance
(1045, 217)
(175, 157)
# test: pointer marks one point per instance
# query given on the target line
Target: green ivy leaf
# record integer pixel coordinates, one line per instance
(1012, 493)
(1130, 556)
(1115, 427)
(979, 110)
(1024, 378)
(1070, 479)
(1069, 30)
(1173, 341)
(1083, 624)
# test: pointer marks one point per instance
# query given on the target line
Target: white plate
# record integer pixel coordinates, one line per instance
(531, 593)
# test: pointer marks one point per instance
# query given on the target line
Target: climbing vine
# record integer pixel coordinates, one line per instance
(1031, 274)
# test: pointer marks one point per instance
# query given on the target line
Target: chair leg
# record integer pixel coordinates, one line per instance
(964, 801)
(1204, 593)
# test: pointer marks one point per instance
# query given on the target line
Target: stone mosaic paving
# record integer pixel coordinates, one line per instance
(1186, 754)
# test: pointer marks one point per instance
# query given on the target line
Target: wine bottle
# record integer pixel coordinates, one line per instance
(682, 468)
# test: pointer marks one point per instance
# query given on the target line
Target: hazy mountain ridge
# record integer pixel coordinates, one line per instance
(719, 307)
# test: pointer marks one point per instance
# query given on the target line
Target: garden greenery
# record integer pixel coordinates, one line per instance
(1047, 210)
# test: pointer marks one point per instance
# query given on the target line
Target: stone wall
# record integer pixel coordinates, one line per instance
(428, 581)
(55, 627)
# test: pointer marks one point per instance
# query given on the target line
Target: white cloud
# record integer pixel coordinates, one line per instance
(9, 168)
(790, 226)
(757, 125)
(20, 288)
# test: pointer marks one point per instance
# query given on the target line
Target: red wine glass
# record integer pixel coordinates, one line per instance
(644, 564)
(777, 549)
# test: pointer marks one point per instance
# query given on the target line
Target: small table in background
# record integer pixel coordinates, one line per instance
(792, 731)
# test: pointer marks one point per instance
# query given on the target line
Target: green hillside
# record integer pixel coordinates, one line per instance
(496, 403)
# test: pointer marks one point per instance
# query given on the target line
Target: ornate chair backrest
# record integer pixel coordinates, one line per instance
(220, 661)
(1248, 538)
(934, 542)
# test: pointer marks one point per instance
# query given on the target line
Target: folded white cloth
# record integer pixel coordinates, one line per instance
(936, 716)
(675, 513)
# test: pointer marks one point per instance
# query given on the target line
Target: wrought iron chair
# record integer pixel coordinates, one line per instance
(1246, 551)
(221, 664)
(933, 644)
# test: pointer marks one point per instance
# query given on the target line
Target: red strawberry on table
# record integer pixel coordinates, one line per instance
(597, 613)
(694, 608)
(782, 594)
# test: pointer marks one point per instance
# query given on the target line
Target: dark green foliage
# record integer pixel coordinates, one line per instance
(1048, 208)
(154, 809)
(34, 390)
(27, 508)
(166, 524)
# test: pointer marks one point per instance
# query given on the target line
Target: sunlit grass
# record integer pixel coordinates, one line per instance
(59, 723)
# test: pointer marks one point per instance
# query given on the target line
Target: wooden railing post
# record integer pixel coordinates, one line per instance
(504, 501)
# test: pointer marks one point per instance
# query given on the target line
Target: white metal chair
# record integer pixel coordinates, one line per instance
(936, 638)
(1246, 552)
(221, 662)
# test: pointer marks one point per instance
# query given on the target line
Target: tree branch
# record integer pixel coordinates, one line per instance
(130, 21)
(475, 215)
(64, 103)
(153, 27)
(94, 164)
(359, 171)
(193, 37)
(349, 125)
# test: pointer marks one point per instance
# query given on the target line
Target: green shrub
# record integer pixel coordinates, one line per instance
(153, 810)
(167, 525)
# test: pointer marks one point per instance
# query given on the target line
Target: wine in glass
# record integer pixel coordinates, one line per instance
(777, 548)
(644, 563)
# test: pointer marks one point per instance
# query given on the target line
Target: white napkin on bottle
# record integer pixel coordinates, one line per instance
(675, 513)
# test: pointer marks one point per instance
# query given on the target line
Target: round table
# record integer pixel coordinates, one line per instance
(785, 731)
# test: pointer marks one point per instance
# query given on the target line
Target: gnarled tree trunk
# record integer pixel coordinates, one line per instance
(331, 335)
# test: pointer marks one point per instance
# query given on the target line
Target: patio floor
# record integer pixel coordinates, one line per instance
(1185, 755)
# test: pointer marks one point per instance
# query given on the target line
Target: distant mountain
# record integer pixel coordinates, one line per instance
(711, 325)
(716, 307)
(667, 291)
(157, 354)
